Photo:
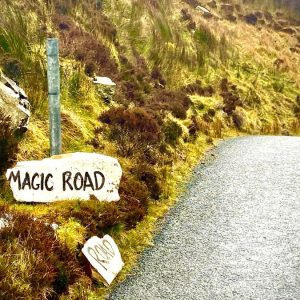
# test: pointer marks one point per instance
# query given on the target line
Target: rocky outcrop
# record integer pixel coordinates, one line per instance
(106, 88)
(14, 104)
(204, 11)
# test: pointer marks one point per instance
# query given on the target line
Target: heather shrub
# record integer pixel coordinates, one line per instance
(133, 92)
(193, 3)
(146, 174)
(217, 128)
(134, 200)
(32, 261)
(297, 106)
(84, 47)
(8, 144)
(135, 79)
(198, 125)
(98, 218)
(194, 88)
(176, 102)
(230, 96)
(186, 16)
(197, 88)
(94, 216)
(172, 132)
(209, 115)
(158, 78)
(12, 68)
(132, 129)
(238, 119)
(132, 187)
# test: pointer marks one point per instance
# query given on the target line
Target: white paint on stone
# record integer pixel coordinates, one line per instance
(202, 9)
(66, 177)
(104, 255)
(14, 103)
(103, 81)
(54, 226)
(5, 220)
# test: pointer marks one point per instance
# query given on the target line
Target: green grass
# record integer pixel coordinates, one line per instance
(158, 37)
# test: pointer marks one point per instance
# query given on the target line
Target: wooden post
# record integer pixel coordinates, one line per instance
(54, 96)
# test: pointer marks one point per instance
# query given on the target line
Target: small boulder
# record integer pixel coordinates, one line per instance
(104, 81)
(251, 19)
(106, 88)
(205, 12)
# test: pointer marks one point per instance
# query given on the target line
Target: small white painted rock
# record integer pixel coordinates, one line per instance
(54, 226)
(103, 81)
(104, 256)
(202, 9)
(5, 220)
(66, 177)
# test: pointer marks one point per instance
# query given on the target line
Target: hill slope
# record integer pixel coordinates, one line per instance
(185, 76)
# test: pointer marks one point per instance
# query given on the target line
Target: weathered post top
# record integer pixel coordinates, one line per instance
(54, 95)
(52, 49)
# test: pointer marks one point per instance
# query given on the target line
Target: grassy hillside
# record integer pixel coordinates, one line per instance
(184, 80)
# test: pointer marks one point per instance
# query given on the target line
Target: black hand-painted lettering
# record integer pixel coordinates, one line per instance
(42, 181)
(96, 257)
(35, 186)
(66, 178)
(88, 181)
(15, 178)
(26, 181)
(78, 177)
(46, 182)
(99, 185)
(108, 247)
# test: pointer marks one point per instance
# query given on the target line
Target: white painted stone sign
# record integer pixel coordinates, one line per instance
(66, 177)
(104, 255)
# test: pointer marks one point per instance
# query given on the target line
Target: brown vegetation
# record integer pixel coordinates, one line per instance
(45, 268)
(133, 129)
(8, 144)
(84, 47)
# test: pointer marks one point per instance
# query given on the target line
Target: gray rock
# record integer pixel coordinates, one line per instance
(14, 104)
(251, 19)
(106, 88)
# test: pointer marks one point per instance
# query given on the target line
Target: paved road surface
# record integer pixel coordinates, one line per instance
(235, 234)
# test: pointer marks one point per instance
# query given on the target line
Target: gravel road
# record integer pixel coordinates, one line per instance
(235, 234)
